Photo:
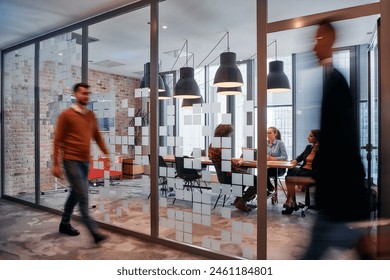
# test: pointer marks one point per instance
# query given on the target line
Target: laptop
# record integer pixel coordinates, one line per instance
(248, 153)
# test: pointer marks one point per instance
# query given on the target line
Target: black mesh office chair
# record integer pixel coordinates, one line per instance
(191, 177)
(162, 180)
(308, 205)
(222, 179)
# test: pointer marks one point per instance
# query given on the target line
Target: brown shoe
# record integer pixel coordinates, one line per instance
(241, 205)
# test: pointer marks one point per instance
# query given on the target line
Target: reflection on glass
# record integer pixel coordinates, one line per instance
(120, 191)
(195, 207)
(19, 150)
(59, 70)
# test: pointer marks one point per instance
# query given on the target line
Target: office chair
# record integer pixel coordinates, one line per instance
(307, 204)
(307, 184)
(222, 179)
(191, 177)
(162, 180)
(203, 154)
(280, 172)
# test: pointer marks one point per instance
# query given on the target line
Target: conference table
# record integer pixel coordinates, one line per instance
(245, 163)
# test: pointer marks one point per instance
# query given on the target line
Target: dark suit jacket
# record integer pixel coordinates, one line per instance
(302, 157)
(341, 191)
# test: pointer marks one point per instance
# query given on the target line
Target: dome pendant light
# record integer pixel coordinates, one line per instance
(228, 75)
(145, 82)
(229, 91)
(188, 103)
(186, 87)
(164, 95)
(277, 80)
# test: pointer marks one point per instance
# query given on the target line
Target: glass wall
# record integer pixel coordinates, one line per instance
(59, 70)
(19, 128)
(279, 104)
(307, 86)
(122, 106)
(198, 208)
(196, 205)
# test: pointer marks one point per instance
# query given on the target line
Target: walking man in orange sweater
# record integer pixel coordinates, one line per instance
(75, 128)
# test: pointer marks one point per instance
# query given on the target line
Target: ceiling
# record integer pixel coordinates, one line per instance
(123, 42)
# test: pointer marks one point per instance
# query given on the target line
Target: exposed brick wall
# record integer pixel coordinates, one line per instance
(19, 120)
(124, 89)
(19, 127)
(51, 92)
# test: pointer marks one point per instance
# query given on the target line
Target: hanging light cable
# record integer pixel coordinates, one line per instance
(186, 87)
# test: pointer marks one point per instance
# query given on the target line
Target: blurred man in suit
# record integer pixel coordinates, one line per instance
(341, 193)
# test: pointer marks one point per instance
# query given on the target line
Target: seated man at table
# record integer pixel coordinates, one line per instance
(309, 165)
(215, 154)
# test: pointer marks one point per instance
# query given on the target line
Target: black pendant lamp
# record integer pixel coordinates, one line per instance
(229, 91)
(186, 87)
(277, 80)
(228, 74)
(145, 82)
(164, 95)
(187, 103)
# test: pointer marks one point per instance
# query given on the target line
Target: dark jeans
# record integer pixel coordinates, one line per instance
(77, 175)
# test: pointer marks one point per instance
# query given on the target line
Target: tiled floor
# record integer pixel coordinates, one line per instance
(28, 233)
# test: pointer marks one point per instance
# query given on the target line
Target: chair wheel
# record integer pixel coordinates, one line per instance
(274, 200)
(303, 215)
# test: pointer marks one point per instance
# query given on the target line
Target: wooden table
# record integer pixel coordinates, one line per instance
(204, 159)
(270, 163)
(247, 163)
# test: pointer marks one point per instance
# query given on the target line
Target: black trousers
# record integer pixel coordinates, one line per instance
(274, 173)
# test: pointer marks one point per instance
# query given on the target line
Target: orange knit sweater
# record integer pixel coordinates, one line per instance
(73, 135)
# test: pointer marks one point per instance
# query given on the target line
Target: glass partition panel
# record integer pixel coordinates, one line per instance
(198, 193)
(243, 112)
(191, 127)
(19, 128)
(59, 70)
(119, 75)
(303, 106)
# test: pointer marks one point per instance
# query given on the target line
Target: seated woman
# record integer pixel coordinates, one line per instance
(215, 154)
(307, 169)
(276, 150)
